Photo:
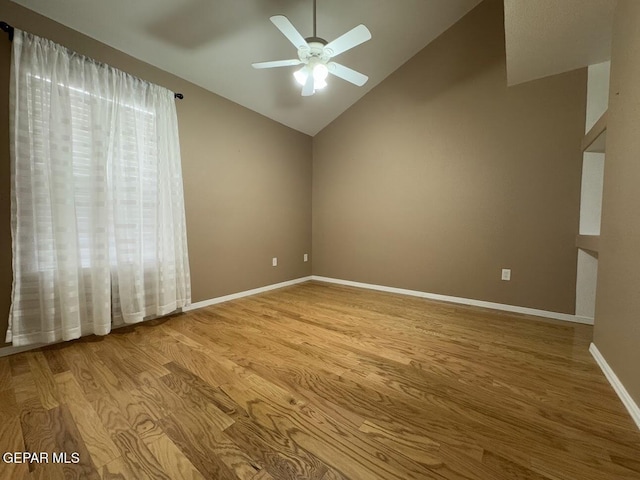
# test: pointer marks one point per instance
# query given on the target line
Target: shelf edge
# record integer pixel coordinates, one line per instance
(590, 243)
(594, 133)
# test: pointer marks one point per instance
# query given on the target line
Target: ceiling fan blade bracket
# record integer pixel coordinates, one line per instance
(304, 53)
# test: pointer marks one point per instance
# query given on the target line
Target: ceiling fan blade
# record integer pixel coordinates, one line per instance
(277, 63)
(289, 31)
(352, 38)
(347, 74)
(308, 88)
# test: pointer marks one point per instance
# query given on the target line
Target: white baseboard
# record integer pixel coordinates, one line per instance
(246, 293)
(583, 319)
(10, 350)
(463, 301)
(4, 351)
(432, 296)
(627, 401)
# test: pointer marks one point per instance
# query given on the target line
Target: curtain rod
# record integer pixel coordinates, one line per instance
(8, 29)
(5, 27)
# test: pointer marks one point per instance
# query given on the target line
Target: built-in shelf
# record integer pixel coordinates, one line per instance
(596, 139)
(590, 243)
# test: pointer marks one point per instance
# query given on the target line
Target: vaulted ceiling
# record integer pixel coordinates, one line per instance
(212, 43)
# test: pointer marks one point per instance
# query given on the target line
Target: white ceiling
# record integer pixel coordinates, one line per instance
(212, 43)
(547, 37)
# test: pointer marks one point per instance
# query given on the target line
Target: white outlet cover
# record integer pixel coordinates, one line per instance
(506, 274)
(274, 261)
(306, 257)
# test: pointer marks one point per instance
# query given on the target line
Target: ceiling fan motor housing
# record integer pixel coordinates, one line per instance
(315, 49)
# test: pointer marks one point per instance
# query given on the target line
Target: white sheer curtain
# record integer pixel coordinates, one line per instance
(98, 223)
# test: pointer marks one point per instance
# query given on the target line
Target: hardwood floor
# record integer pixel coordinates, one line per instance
(321, 382)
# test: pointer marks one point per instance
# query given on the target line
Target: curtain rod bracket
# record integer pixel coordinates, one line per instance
(179, 96)
(5, 27)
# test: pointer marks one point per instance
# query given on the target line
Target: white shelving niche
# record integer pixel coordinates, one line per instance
(593, 146)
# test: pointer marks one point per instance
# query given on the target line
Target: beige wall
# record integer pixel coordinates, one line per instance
(247, 179)
(442, 175)
(617, 322)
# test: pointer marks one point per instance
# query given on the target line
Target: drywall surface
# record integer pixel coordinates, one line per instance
(617, 321)
(442, 175)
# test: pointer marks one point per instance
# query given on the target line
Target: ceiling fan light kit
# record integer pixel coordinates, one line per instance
(319, 71)
(315, 54)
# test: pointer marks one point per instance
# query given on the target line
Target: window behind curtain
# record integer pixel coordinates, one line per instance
(133, 138)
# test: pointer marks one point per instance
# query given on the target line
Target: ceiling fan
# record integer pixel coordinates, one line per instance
(315, 54)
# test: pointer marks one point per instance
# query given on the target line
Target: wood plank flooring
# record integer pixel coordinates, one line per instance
(321, 382)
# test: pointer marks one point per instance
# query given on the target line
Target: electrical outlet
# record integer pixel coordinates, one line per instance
(506, 274)
(306, 257)
(274, 262)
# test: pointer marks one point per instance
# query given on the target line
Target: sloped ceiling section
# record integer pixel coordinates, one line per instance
(547, 37)
(212, 43)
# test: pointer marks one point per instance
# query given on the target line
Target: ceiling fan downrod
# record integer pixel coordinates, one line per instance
(314, 18)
